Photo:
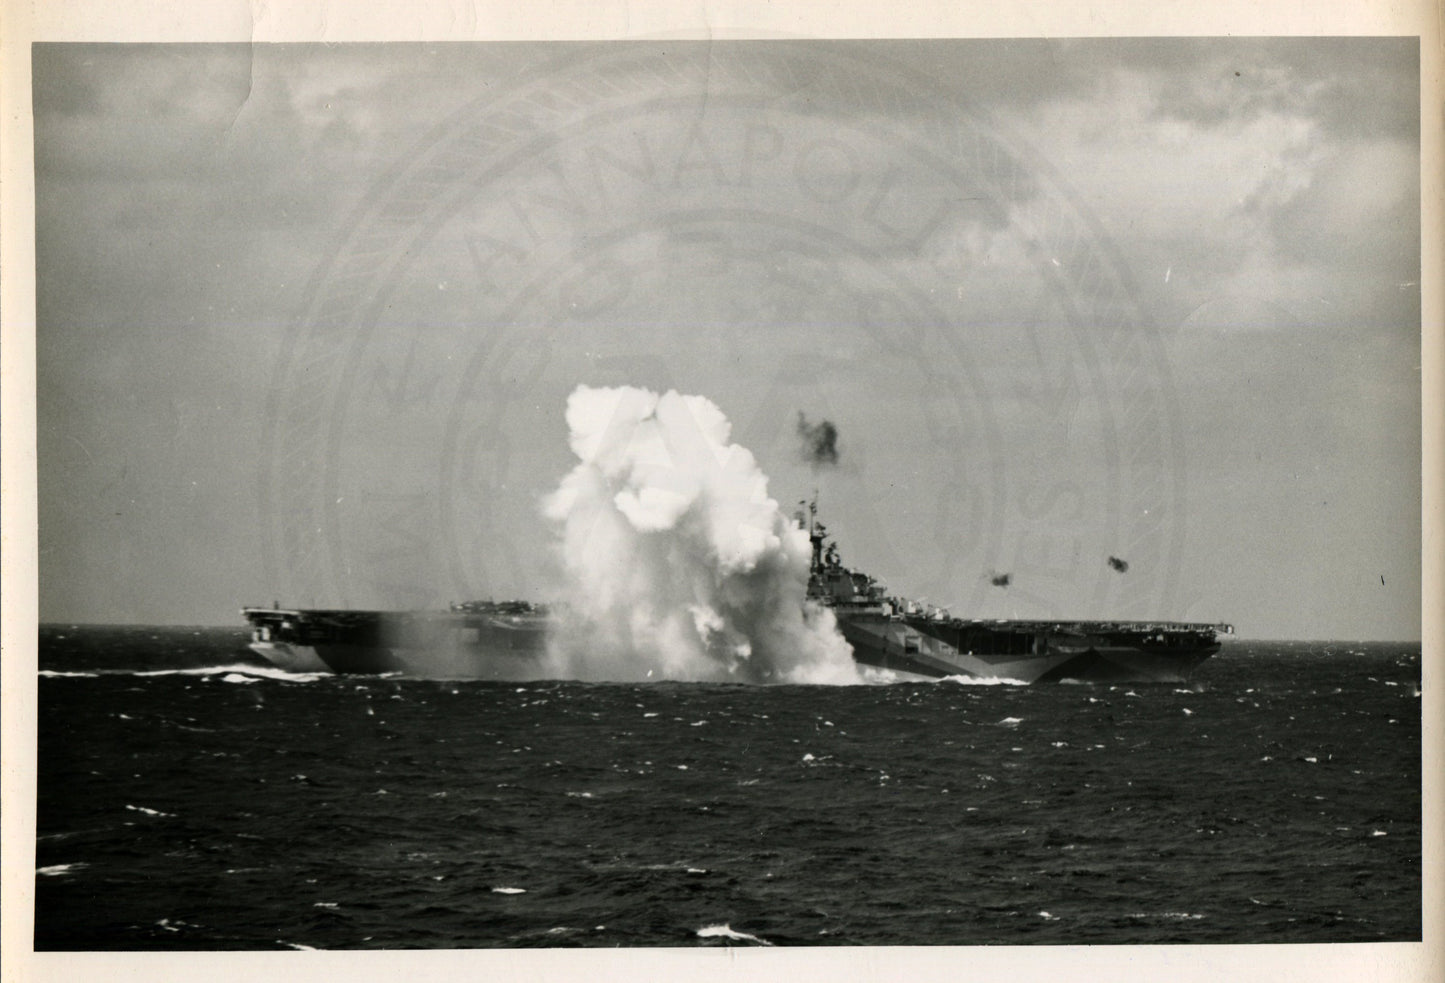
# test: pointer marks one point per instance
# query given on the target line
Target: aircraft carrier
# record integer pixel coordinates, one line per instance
(898, 637)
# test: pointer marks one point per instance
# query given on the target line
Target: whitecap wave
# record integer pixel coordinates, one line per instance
(1173, 915)
(57, 870)
(726, 932)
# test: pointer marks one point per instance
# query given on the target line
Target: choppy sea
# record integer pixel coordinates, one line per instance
(190, 797)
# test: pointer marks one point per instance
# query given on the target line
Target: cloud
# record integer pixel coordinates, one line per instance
(186, 194)
(1250, 186)
(1357, 201)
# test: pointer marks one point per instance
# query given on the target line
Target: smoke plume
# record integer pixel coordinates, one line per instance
(678, 564)
(1000, 579)
(818, 442)
(1120, 565)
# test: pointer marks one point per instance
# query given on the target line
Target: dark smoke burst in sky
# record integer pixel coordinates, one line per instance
(1000, 579)
(819, 442)
(1120, 565)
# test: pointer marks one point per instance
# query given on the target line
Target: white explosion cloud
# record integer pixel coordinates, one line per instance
(678, 564)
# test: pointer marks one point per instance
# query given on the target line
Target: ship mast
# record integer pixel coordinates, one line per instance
(817, 534)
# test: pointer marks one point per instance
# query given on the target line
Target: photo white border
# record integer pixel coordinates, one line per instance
(23, 22)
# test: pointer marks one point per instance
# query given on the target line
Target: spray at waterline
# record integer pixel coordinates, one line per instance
(677, 563)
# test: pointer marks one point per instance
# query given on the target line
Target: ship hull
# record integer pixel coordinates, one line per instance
(1030, 652)
(433, 644)
(292, 658)
(490, 646)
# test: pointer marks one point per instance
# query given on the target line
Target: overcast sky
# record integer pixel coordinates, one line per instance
(308, 316)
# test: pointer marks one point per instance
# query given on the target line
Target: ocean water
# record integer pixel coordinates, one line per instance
(189, 797)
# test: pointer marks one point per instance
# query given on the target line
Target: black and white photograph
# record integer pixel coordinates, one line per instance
(707, 492)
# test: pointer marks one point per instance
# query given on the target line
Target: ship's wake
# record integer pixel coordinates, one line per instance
(677, 563)
(243, 672)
